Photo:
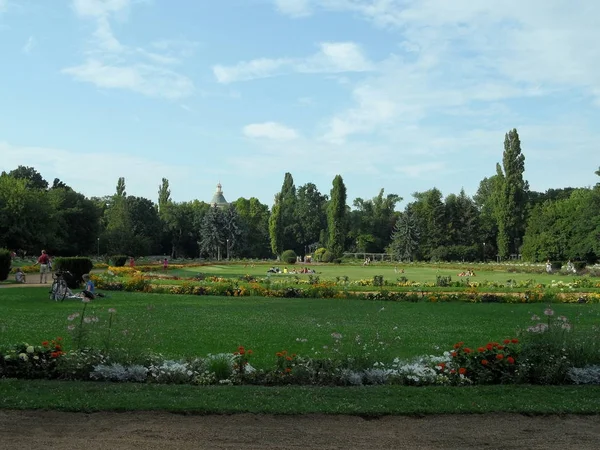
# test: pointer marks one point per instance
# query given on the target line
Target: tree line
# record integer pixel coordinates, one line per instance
(504, 219)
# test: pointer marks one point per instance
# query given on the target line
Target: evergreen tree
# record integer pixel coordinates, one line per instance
(276, 227)
(405, 237)
(511, 204)
(212, 236)
(336, 218)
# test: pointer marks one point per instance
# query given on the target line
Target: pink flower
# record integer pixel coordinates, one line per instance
(535, 317)
(566, 326)
(112, 310)
(336, 336)
(87, 319)
(548, 312)
(71, 327)
(563, 318)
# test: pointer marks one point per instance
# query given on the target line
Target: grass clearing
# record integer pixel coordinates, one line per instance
(369, 401)
(182, 325)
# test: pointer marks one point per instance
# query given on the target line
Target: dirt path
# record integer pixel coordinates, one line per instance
(156, 430)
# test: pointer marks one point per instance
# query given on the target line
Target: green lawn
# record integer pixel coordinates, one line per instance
(180, 325)
(368, 401)
(358, 272)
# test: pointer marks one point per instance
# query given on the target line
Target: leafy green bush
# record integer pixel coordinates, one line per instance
(289, 257)
(5, 261)
(556, 265)
(78, 266)
(579, 265)
(318, 256)
(456, 253)
(118, 260)
(327, 256)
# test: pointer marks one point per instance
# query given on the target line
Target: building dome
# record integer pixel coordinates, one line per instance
(218, 199)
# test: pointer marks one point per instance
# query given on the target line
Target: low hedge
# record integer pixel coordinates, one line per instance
(118, 260)
(78, 266)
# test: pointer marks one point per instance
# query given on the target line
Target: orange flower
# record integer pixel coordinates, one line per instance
(249, 352)
(453, 354)
(514, 341)
(499, 356)
(240, 348)
(288, 370)
(442, 366)
(288, 358)
(481, 349)
(467, 350)
(484, 362)
(462, 370)
(235, 353)
(506, 341)
(279, 354)
(510, 360)
(242, 352)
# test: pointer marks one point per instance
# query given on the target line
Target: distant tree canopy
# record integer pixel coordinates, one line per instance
(504, 219)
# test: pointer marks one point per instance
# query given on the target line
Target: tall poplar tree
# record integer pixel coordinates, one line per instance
(275, 227)
(511, 201)
(336, 218)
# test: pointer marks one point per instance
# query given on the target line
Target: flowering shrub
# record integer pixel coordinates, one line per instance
(489, 364)
(31, 361)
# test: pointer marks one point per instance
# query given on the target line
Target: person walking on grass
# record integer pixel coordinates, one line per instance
(165, 264)
(43, 261)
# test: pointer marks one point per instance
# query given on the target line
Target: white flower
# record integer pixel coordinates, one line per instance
(30, 349)
(23, 356)
(548, 312)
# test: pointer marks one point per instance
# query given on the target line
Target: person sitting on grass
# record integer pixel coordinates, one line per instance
(20, 276)
(89, 289)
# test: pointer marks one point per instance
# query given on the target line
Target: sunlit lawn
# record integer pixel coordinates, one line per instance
(180, 325)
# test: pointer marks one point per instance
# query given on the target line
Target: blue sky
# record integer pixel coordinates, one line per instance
(397, 94)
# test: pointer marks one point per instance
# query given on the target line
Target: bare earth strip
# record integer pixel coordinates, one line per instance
(157, 430)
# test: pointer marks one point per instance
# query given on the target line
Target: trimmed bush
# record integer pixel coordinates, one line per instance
(118, 260)
(77, 266)
(327, 257)
(556, 265)
(5, 261)
(319, 253)
(289, 257)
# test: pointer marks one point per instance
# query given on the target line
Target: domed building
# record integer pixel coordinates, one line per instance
(218, 199)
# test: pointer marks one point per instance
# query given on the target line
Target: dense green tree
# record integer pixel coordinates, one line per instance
(164, 195)
(430, 215)
(254, 225)
(337, 218)
(213, 238)
(310, 215)
(405, 237)
(372, 222)
(33, 177)
(146, 226)
(276, 227)
(511, 202)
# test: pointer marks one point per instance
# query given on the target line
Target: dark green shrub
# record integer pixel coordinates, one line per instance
(378, 280)
(118, 260)
(319, 254)
(556, 265)
(5, 261)
(327, 256)
(77, 266)
(579, 265)
(289, 257)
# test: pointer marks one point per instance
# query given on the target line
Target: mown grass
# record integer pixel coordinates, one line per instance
(181, 325)
(359, 272)
(369, 401)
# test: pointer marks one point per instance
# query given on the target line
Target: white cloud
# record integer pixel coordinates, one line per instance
(270, 130)
(145, 79)
(418, 170)
(332, 57)
(111, 64)
(293, 8)
(29, 45)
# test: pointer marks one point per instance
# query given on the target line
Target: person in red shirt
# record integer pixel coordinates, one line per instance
(131, 262)
(165, 264)
(43, 261)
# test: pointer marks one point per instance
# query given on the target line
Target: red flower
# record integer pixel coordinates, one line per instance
(45, 343)
(462, 370)
(489, 346)
(453, 371)
(484, 362)
(467, 350)
(235, 353)
(506, 341)
(242, 352)
(453, 354)
(279, 354)
(240, 348)
(500, 347)
(288, 358)
(288, 370)
(510, 360)
(442, 366)
(54, 354)
(499, 356)
(459, 344)
(481, 349)
(514, 341)
(249, 352)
